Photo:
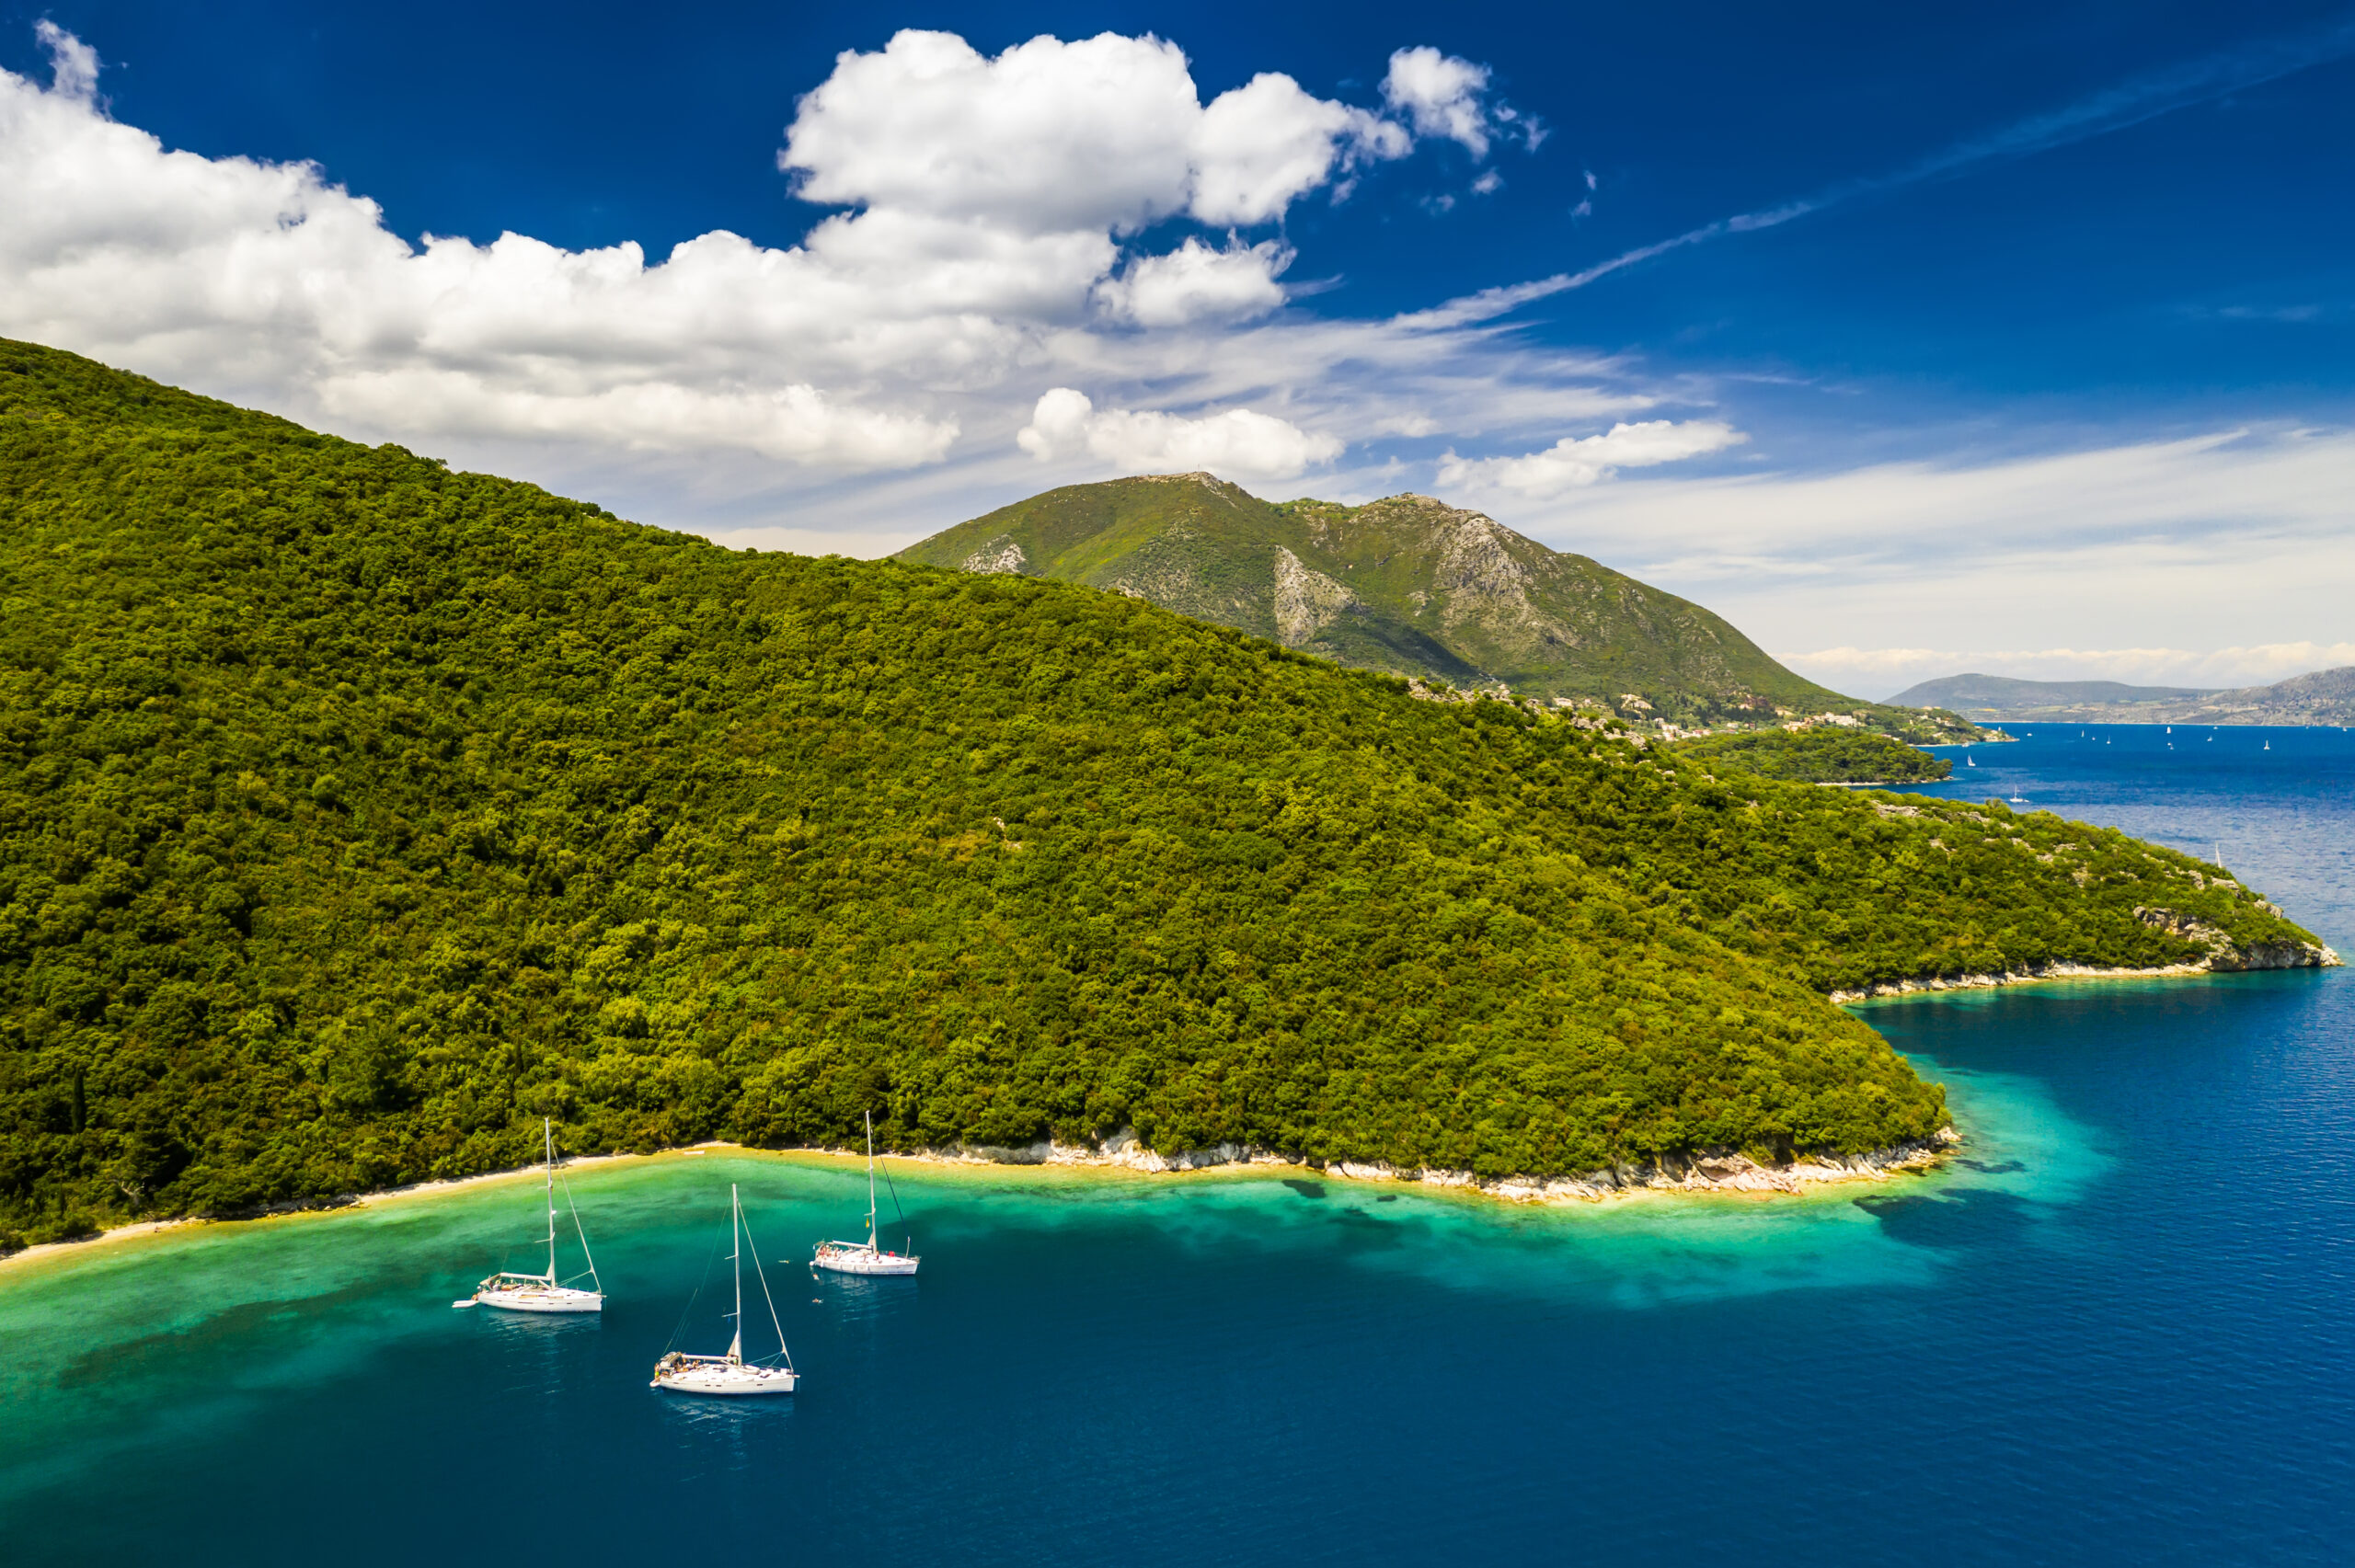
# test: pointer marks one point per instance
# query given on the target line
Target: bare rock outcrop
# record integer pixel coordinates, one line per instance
(2226, 956)
(1000, 554)
(1306, 599)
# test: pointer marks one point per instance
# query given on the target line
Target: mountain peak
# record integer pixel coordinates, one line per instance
(1198, 476)
(1408, 584)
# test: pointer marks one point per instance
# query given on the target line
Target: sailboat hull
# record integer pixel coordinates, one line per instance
(721, 1379)
(838, 1258)
(742, 1383)
(558, 1299)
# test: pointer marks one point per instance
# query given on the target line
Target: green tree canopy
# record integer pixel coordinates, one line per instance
(356, 813)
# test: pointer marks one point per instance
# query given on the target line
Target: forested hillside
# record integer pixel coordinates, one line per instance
(1824, 755)
(1407, 585)
(355, 813)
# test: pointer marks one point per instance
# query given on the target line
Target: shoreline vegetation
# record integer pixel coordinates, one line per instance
(1715, 1173)
(2305, 958)
(356, 814)
(1720, 1173)
(1822, 753)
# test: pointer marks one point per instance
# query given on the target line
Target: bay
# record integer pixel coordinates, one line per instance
(2120, 1327)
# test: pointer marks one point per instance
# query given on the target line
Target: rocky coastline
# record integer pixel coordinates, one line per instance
(1709, 1171)
(2223, 958)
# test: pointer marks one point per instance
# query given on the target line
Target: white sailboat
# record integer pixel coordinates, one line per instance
(543, 1292)
(864, 1257)
(731, 1375)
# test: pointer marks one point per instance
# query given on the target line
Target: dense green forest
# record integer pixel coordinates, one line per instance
(1825, 754)
(355, 813)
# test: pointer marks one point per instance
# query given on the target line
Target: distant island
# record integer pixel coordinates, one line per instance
(1411, 585)
(2326, 697)
(357, 813)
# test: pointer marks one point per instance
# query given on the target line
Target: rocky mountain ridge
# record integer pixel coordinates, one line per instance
(1408, 585)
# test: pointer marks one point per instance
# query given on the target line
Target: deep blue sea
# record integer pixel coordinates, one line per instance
(2121, 1330)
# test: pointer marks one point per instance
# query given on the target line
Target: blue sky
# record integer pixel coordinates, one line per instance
(2049, 371)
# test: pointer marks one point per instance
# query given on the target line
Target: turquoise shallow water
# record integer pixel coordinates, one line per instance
(2119, 1330)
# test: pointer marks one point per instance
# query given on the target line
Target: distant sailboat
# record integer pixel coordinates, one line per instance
(543, 1292)
(1971, 762)
(2019, 799)
(731, 1375)
(865, 1257)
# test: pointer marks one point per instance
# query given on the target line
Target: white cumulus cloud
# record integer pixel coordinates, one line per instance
(1575, 461)
(991, 206)
(1263, 145)
(73, 65)
(1237, 444)
(1444, 95)
(1105, 133)
(1195, 283)
(1049, 135)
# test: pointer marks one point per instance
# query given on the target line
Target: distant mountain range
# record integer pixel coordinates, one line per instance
(1408, 585)
(2326, 697)
(2004, 696)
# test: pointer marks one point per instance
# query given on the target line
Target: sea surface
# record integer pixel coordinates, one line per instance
(2121, 1329)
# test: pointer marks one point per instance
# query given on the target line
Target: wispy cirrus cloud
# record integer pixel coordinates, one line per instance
(1575, 462)
(2230, 540)
(2114, 108)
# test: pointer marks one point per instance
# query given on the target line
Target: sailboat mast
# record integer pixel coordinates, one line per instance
(735, 1232)
(547, 1131)
(870, 1179)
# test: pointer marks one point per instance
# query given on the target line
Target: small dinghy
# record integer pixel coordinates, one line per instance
(731, 1375)
(865, 1257)
(544, 1292)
